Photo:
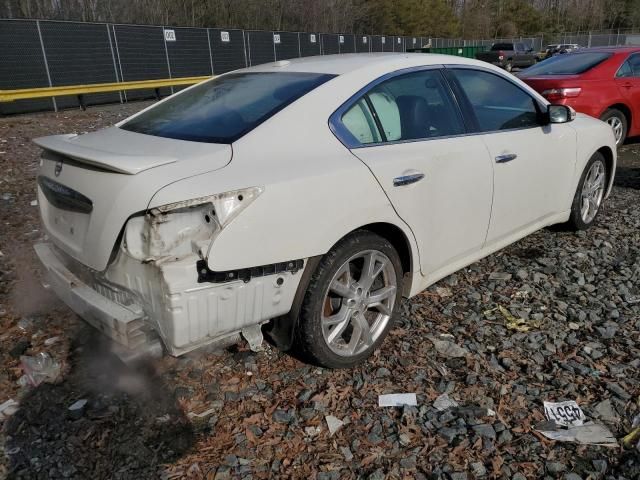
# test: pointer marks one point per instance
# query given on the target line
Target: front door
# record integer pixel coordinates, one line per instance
(533, 164)
(411, 136)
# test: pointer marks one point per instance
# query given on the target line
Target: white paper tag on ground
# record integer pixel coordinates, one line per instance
(567, 414)
(397, 400)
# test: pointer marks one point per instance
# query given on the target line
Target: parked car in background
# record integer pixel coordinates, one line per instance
(307, 196)
(567, 48)
(509, 55)
(546, 52)
(601, 82)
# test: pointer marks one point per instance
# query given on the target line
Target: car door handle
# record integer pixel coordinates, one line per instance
(407, 179)
(507, 157)
(627, 85)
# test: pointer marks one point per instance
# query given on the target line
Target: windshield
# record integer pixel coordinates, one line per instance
(570, 64)
(502, 46)
(226, 108)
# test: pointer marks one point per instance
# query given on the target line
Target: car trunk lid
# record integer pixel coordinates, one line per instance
(89, 185)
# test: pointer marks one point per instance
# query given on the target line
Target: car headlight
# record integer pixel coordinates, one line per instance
(183, 228)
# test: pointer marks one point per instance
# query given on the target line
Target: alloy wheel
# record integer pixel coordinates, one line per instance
(358, 303)
(592, 191)
(618, 128)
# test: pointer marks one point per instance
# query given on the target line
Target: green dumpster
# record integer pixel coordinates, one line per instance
(467, 51)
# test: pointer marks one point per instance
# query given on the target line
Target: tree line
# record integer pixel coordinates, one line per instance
(434, 18)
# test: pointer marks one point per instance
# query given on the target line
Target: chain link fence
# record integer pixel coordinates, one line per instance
(48, 53)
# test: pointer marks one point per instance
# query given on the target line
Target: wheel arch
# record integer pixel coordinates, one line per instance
(282, 330)
(624, 109)
(607, 153)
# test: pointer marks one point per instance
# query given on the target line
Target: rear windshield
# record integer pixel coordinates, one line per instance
(568, 64)
(226, 108)
(502, 46)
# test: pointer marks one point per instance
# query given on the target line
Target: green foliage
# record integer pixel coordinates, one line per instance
(433, 18)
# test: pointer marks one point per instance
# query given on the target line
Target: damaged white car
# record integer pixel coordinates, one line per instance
(305, 198)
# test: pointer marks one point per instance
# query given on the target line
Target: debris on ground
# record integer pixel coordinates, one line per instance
(566, 414)
(444, 402)
(588, 433)
(333, 424)
(397, 399)
(8, 408)
(40, 368)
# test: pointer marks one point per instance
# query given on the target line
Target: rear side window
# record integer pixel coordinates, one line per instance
(413, 106)
(498, 104)
(569, 64)
(226, 108)
(630, 68)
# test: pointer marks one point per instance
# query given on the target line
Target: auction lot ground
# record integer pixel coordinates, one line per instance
(263, 415)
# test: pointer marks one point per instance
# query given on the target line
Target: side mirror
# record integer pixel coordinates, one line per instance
(560, 114)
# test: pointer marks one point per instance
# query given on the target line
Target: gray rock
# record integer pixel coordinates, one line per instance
(555, 467)
(282, 416)
(478, 469)
(572, 476)
(605, 411)
(409, 462)
(485, 430)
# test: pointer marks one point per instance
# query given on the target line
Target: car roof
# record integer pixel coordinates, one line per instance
(350, 62)
(618, 49)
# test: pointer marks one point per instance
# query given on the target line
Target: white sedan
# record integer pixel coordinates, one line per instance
(305, 198)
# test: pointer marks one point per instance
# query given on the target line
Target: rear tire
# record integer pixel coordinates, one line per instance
(617, 120)
(346, 313)
(589, 194)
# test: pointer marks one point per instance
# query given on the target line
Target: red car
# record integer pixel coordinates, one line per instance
(601, 82)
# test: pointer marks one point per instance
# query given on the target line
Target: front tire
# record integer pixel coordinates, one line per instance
(618, 123)
(589, 194)
(350, 304)
(509, 67)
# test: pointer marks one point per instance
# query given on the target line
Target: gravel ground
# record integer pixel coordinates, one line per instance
(237, 414)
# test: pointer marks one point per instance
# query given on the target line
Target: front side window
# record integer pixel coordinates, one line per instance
(413, 106)
(225, 108)
(497, 103)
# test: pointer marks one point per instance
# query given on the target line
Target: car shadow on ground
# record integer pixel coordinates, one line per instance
(627, 177)
(130, 426)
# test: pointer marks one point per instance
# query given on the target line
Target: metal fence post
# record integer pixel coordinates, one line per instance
(299, 47)
(247, 52)
(46, 64)
(273, 42)
(115, 39)
(113, 58)
(166, 53)
(210, 51)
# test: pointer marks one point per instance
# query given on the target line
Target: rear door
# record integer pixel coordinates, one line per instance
(409, 131)
(628, 82)
(533, 164)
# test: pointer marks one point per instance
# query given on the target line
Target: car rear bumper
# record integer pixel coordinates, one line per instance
(135, 303)
(122, 323)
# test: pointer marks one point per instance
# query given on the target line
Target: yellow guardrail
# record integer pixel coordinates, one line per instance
(79, 90)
